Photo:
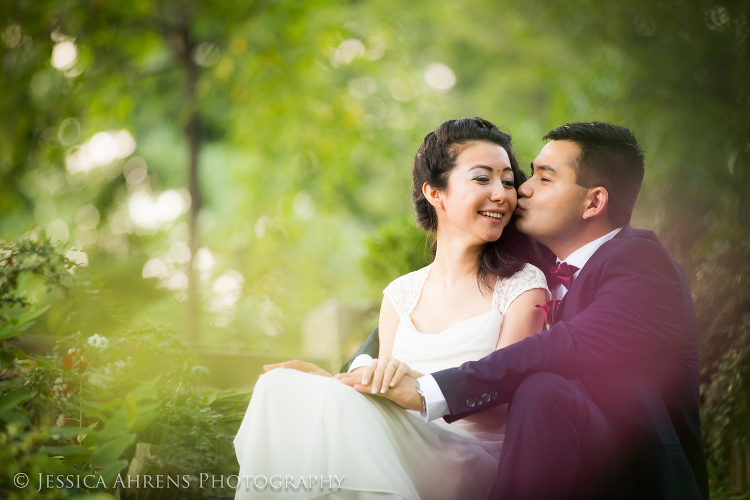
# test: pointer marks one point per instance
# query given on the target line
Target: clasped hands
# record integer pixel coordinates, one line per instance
(386, 377)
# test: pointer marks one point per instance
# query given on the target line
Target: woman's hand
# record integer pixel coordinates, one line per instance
(384, 373)
(302, 366)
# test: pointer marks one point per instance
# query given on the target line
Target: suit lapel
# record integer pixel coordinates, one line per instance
(625, 232)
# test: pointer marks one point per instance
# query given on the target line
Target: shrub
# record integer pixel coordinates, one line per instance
(722, 297)
(85, 409)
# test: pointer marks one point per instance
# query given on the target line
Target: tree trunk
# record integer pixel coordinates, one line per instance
(192, 135)
(192, 291)
(739, 468)
(742, 167)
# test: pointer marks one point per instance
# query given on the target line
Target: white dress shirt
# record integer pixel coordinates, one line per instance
(436, 405)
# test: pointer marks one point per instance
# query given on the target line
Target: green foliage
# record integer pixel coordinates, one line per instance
(82, 410)
(395, 248)
(26, 440)
(23, 261)
(20, 452)
(722, 303)
(726, 410)
(674, 72)
(721, 292)
(182, 420)
(30, 257)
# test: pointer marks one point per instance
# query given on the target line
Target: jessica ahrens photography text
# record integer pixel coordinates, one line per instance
(259, 482)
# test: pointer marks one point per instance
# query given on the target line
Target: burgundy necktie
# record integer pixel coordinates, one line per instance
(563, 274)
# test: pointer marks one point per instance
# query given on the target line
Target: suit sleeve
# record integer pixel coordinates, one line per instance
(634, 316)
(371, 347)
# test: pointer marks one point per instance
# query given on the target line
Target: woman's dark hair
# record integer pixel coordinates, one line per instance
(433, 163)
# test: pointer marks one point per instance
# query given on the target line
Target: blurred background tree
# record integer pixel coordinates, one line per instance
(227, 167)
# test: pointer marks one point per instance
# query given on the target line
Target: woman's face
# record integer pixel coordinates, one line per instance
(480, 198)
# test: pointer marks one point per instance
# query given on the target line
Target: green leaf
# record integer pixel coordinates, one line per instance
(111, 451)
(18, 353)
(68, 451)
(132, 409)
(147, 390)
(198, 371)
(6, 359)
(32, 314)
(7, 330)
(15, 418)
(42, 361)
(210, 397)
(10, 403)
(146, 414)
(110, 472)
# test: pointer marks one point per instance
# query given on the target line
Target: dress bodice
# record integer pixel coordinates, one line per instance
(468, 340)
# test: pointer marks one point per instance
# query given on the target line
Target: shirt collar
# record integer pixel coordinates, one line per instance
(583, 254)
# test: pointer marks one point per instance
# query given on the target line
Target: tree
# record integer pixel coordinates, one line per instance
(678, 73)
(143, 64)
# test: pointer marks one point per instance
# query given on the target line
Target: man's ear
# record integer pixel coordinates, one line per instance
(596, 201)
(433, 196)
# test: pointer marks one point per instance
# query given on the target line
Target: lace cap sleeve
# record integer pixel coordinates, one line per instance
(403, 292)
(507, 289)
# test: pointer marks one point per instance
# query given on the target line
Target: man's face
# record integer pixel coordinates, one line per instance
(550, 203)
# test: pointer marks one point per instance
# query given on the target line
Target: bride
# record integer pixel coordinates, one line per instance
(310, 436)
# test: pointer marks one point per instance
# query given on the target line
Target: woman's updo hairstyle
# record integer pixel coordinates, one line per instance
(433, 163)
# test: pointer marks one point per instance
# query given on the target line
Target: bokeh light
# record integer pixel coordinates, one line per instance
(439, 77)
(64, 55)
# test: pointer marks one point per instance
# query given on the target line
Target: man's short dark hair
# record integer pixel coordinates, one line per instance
(611, 158)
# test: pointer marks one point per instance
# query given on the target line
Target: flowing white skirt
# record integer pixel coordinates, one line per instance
(305, 436)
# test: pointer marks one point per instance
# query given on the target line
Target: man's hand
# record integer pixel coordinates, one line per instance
(403, 394)
(301, 366)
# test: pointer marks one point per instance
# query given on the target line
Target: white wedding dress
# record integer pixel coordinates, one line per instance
(304, 426)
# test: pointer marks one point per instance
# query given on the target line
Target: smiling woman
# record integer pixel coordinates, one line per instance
(480, 190)
(437, 159)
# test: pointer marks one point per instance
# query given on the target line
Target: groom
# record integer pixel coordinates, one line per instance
(605, 403)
